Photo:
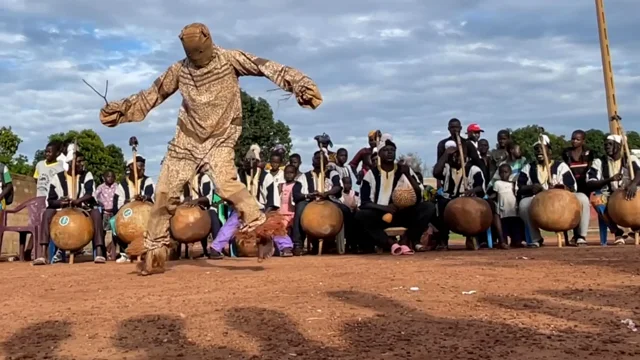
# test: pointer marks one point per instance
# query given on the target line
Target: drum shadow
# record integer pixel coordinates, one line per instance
(36, 341)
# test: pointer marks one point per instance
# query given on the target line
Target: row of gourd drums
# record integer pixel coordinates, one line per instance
(72, 229)
(554, 210)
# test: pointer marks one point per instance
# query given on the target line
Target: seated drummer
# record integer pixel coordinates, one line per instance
(448, 170)
(59, 197)
(124, 195)
(534, 178)
(199, 192)
(261, 186)
(306, 190)
(376, 192)
(610, 173)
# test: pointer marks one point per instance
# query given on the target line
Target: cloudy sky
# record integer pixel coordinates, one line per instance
(404, 66)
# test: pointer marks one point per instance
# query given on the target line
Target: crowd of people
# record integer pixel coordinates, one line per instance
(465, 166)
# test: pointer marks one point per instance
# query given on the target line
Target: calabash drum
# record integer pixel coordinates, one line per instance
(246, 246)
(623, 212)
(132, 219)
(71, 229)
(468, 216)
(404, 197)
(556, 210)
(190, 224)
(321, 219)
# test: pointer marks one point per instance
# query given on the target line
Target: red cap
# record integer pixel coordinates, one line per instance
(474, 128)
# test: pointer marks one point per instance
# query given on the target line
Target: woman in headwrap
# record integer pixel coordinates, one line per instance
(608, 174)
(364, 155)
(209, 124)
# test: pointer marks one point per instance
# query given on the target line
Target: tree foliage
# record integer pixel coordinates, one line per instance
(414, 161)
(9, 144)
(99, 157)
(528, 135)
(259, 127)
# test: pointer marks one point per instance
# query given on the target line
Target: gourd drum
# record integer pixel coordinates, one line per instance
(623, 212)
(132, 219)
(190, 224)
(404, 197)
(468, 216)
(71, 229)
(246, 247)
(555, 210)
(321, 219)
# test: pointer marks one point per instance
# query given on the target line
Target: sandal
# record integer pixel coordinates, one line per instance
(420, 248)
(405, 250)
(396, 249)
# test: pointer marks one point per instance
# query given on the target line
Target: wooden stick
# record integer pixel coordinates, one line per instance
(321, 188)
(136, 190)
(607, 69)
(463, 163)
(73, 170)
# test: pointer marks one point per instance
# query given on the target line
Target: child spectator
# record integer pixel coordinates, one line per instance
(503, 192)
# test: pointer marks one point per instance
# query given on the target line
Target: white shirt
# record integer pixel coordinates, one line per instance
(507, 204)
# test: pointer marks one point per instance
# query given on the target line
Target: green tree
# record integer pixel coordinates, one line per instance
(9, 144)
(259, 127)
(99, 157)
(595, 142)
(414, 161)
(528, 135)
(633, 138)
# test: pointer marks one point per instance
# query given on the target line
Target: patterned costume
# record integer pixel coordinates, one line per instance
(209, 124)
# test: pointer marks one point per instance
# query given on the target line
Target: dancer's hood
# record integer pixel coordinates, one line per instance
(197, 44)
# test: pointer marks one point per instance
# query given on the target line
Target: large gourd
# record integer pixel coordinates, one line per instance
(131, 221)
(556, 210)
(71, 229)
(623, 212)
(322, 219)
(404, 195)
(190, 224)
(468, 216)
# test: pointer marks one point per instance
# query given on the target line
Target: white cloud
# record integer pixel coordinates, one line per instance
(405, 67)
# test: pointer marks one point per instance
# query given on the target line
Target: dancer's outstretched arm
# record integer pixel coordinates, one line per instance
(285, 77)
(136, 107)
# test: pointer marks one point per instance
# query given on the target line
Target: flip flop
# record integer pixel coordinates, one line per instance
(396, 249)
(405, 250)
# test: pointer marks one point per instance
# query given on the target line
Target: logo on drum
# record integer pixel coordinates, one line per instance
(127, 213)
(64, 221)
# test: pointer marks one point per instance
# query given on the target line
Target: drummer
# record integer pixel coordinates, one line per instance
(610, 173)
(260, 184)
(59, 197)
(376, 201)
(534, 178)
(199, 192)
(124, 195)
(306, 190)
(448, 170)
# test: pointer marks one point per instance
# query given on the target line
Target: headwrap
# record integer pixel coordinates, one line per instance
(197, 44)
(324, 139)
(450, 144)
(278, 147)
(616, 138)
(545, 140)
(253, 153)
(385, 140)
(373, 134)
(139, 158)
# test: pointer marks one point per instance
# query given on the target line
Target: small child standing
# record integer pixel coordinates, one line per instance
(349, 197)
(285, 189)
(504, 191)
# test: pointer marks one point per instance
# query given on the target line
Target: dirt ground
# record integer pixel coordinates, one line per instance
(552, 304)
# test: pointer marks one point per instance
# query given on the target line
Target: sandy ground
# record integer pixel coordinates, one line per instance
(553, 304)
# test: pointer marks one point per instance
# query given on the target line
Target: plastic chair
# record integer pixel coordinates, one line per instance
(35, 206)
(489, 235)
(603, 228)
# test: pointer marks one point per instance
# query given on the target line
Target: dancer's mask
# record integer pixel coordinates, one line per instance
(197, 44)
